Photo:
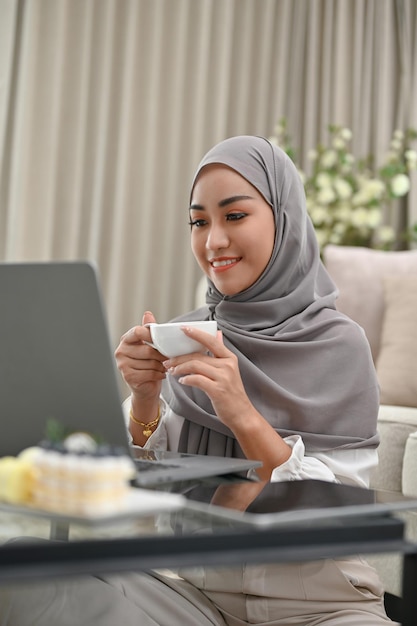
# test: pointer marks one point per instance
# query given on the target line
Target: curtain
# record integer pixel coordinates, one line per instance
(106, 107)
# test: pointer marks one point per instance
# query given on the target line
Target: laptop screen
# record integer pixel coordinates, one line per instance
(55, 358)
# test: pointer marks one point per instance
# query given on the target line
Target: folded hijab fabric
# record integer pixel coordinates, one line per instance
(305, 367)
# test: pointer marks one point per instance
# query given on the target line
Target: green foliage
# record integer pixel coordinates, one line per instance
(55, 432)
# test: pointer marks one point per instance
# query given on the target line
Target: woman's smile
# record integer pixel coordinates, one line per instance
(223, 264)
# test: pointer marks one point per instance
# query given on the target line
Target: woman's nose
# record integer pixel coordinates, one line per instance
(217, 238)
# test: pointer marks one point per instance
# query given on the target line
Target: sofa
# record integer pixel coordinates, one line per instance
(378, 289)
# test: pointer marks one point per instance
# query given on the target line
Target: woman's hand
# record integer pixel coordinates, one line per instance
(142, 369)
(218, 375)
(140, 364)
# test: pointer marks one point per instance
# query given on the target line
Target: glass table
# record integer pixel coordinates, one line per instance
(218, 523)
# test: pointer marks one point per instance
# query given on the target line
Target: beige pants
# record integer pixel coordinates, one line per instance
(330, 593)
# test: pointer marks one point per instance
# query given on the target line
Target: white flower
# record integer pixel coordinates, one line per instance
(400, 185)
(359, 218)
(326, 195)
(343, 213)
(338, 143)
(323, 180)
(396, 145)
(398, 134)
(346, 134)
(319, 214)
(374, 188)
(328, 158)
(312, 155)
(374, 218)
(359, 198)
(411, 159)
(343, 188)
(369, 189)
(385, 234)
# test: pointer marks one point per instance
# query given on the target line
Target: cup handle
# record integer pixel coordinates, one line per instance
(148, 343)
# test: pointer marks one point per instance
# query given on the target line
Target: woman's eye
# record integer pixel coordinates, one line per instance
(235, 216)
(198, 223)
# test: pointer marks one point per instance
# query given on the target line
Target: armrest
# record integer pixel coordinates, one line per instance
(398, 450)
(397, 471)
(410, 466)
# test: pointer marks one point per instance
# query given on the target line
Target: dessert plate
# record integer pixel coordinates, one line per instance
(139, 503)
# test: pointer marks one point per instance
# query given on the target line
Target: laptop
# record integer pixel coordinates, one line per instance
(56, 362)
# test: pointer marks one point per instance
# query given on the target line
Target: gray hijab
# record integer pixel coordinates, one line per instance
(306, 368)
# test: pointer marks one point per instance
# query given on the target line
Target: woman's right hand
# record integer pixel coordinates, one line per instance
(140, 364)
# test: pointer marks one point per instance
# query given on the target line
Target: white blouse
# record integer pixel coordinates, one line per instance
(345, 466)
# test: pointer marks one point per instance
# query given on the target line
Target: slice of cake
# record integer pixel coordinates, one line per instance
(81, 481)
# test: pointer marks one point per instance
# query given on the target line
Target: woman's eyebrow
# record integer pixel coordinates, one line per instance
(232, 199)
(222, 203)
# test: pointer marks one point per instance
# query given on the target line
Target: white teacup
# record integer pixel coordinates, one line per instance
(171, 341)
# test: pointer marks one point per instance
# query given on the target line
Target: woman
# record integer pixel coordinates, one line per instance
(288, 381)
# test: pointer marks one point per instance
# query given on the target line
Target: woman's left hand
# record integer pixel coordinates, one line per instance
(217, 374)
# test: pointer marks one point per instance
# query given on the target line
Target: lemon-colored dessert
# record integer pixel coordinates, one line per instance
(16, 480)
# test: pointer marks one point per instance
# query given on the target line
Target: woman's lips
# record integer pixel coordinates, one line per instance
(224, 264)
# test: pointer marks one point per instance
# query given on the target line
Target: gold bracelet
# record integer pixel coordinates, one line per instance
(146, 427)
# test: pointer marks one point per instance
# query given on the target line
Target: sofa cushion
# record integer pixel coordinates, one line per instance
(396, 363)
(358, 274)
